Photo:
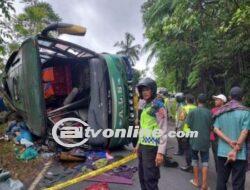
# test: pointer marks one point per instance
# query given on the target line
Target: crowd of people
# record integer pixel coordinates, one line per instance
(224, 128)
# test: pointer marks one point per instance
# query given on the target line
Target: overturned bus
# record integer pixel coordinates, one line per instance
(49, 79)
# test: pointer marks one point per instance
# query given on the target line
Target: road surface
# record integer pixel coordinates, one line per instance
(171, 178)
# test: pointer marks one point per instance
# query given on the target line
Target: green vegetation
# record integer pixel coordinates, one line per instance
(36, 16)
(200, 45)
(15, 28)
(6, 10)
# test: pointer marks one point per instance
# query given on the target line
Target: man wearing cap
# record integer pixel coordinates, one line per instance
(219, 101)
(231, 125)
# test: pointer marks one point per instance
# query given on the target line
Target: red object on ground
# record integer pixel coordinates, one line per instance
(98, 186)
(57, 80)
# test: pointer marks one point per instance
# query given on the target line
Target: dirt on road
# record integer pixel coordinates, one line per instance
(25, 171)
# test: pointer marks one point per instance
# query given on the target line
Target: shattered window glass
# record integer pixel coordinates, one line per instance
(47, 51)
(61, 55)
(49, 48)
(44, 43)
(84, 54)
(73, 51)
(43, 60)
(62, 46)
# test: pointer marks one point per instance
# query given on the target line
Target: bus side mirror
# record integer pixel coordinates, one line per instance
(63, 28)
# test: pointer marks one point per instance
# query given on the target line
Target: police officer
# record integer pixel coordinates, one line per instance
(151, 147)
(180, 99)
(190, 100)
(163, 96)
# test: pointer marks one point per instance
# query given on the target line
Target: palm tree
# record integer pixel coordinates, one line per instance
(153, 12)
(128, 49)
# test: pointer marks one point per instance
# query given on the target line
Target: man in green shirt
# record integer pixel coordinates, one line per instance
(200, 120)
(231, 125)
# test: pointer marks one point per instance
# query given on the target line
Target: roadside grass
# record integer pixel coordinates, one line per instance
(25, 171)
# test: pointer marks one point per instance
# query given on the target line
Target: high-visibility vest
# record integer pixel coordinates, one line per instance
(178, 111)
(178, 122)
(148, 123)
(166, 102)
(187, 108)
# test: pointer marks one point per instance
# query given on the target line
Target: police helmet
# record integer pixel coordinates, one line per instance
(147, 82)
(179, 97)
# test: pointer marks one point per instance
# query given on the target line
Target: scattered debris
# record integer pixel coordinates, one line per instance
(40, 176)
(98, 186)
(66, 156)
(109, 178)
(47, 155)
(11, 184)
(77, 152)
(26, 143)
(85, 170)
(79, 161)
(125, 171)
(25, 171)
(100, 163)
(28, 153)
(4, 175)
(56, 173)
(7, 183)
(95, 155)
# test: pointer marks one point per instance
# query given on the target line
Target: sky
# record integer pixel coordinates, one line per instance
(106, 22)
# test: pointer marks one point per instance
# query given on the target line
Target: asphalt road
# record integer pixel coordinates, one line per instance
(171, 178)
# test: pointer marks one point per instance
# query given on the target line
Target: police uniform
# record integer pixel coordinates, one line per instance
(186, 145)
(153, 117)
(180, 99)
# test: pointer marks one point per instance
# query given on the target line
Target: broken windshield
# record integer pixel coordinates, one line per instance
(49, 48)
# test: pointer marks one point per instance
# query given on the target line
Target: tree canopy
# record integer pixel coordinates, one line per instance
(35, 17)
(200, 45)
(6, 9)
(14, 28)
